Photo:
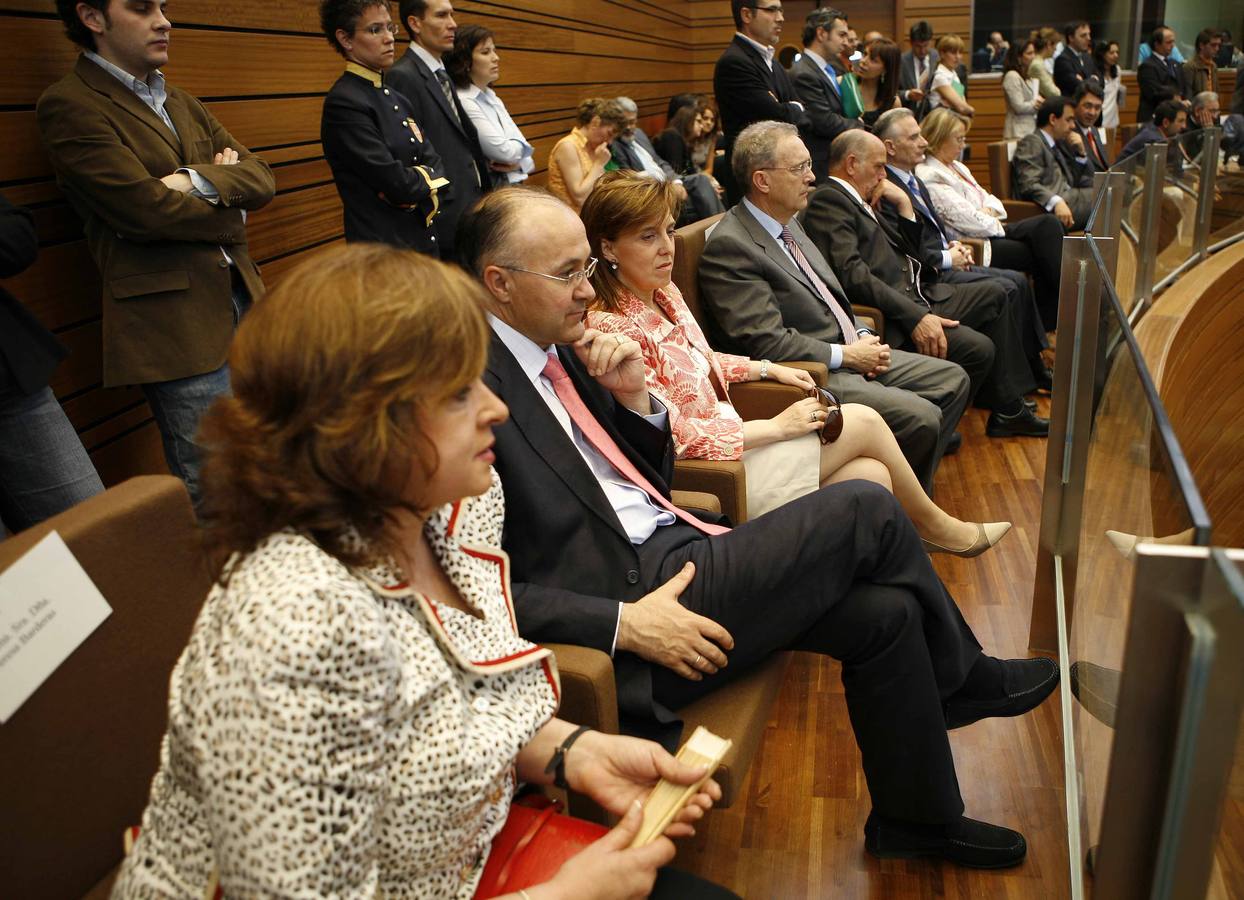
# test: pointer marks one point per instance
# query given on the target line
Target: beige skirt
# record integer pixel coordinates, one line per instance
(778, 473)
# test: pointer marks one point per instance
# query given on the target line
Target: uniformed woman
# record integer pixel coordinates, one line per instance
(388, 174)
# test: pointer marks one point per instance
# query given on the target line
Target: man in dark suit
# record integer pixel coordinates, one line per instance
(1169, 121)
(916, 68)
(421, 76)
(953, 262)
(762, 303)
(1050, 167)
(600, 558)
(162, 190)
(1160, 77)
(749, 84)
(880, 264)
(44, 469)
(1088, 100)
(816, 83)
(1075, 66)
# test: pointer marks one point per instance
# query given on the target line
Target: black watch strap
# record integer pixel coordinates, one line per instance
(557, 763)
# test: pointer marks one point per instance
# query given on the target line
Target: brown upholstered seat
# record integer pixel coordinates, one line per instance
(79, 755)
(1000, 153)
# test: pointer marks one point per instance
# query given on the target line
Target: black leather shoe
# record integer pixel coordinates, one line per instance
(1031, 404)
(1045, 381)
(1025, 683)
(1024, 423)
(953, 445)
(966, 842)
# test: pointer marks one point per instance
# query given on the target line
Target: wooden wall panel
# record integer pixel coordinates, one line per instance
(262, 69)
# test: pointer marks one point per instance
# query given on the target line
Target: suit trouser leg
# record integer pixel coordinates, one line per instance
(920, 398)
(842, 571)
(1019, 296)
(981, 306)
(1042, 237)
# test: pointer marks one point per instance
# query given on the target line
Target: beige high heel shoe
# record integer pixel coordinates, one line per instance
(987, 534)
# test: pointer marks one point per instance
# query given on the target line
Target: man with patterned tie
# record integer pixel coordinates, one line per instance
(750, 86)
(421, 76)
(768, 293)
(598, 557)
(1089, 99)
(816, 82)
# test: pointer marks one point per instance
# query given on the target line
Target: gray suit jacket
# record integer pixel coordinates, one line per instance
(824, 108)
(1039, 173)
(907, 73)
(759, 303)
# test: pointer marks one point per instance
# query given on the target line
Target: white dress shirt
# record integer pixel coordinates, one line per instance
(637, 512)
(499, 138)
(765, 51)
(428, 59)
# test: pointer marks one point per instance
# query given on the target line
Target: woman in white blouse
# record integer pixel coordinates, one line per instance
(1033, 245)
(946, 89)
(1022, 102)
(1106, 57)
(474, 66)
(355, 707)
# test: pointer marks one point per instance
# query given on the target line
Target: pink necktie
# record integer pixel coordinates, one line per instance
(605, 446)
(849, 335)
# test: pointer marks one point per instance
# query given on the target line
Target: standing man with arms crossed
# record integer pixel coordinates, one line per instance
(162, 190)
(816, 83)
(749, 84)
(421, 76)
(1075, 66)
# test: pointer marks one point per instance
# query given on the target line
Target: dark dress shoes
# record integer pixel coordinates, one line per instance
(1024, 423)
(1045, 381)
(1001, 688)
(965, 842)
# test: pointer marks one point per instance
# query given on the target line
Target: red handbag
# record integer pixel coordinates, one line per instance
(532, 845)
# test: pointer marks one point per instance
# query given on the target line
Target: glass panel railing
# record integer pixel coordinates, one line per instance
(1136, 490)
(1227, 217)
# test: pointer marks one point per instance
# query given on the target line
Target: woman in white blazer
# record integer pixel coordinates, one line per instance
(1033, 245)
(474, 66)
(1022, 102)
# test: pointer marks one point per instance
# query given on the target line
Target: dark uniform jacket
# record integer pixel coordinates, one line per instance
(385, 167)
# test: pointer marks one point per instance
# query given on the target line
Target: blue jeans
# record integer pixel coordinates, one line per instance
(178, 405)
(44, 469)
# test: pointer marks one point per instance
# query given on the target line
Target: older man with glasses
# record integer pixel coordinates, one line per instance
(750, 86)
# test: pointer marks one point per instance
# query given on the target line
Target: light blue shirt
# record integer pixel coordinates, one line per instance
(909, 179)
(499, 138)
(830, 75)
(639, 515)
(774, 228)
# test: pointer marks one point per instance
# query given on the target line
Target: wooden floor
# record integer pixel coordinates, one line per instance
(797, 831)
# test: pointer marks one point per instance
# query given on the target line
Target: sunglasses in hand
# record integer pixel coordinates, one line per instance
(832, 428)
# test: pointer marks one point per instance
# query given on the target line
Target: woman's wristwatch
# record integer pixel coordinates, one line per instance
(764, 370)
(557, 763)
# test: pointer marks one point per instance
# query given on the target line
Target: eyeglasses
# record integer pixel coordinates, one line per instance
(377, 30)
(832, 429)
(776, 10)
(802, 168)
(572, 280)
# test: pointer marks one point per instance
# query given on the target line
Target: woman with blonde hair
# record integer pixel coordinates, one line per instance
(946, 89)
(630, 225)
(1033, 245)
(1041, 69)
(579, 158)
(355, 708)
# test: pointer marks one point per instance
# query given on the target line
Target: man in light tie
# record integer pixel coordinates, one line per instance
(816, 83)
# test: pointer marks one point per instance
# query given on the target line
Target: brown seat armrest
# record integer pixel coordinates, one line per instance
(763, 399)
(819, 371)
(978, 249)
(1018, 210)
(871, 318)
(589, 695)
(724, 479)
(696, 500)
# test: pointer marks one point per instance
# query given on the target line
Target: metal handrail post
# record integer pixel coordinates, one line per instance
(1151, 211)
(1205, 191)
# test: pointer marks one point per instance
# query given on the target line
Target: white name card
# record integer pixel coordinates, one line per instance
(48, 606)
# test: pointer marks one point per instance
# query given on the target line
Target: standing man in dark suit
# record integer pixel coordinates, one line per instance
(388, 175)
(1088, 99)
(749, 84)
(954, 262)
(1050, 168)
(916, 69)
(599, 557)
(1075, 66)
(763, 303)
(816, 83)
(1160, 77)
(44, 469)
(880, 265)
(421, 76)
(163, 191)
